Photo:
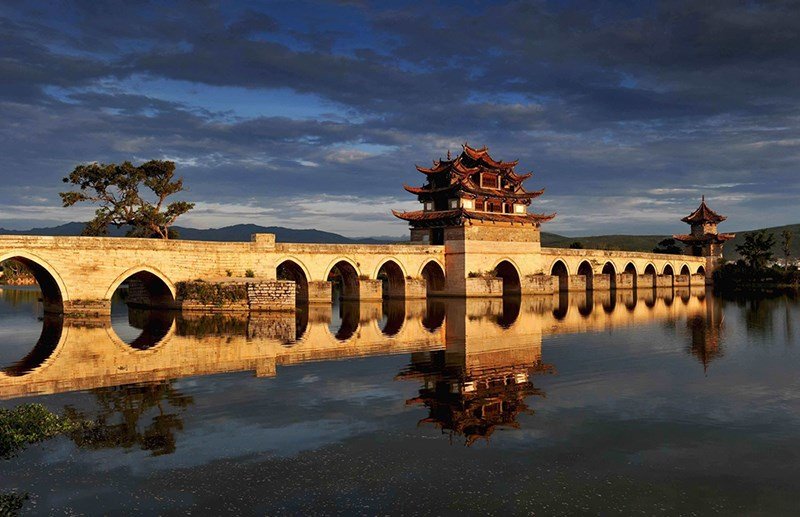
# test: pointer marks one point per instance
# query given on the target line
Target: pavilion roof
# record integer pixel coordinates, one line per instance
(421, 216)
(703, 214)
(473, 160)
(705, 238)
(468, 187)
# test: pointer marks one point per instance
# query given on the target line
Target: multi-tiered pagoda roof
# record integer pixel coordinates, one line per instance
(704, 222)
(472, 187)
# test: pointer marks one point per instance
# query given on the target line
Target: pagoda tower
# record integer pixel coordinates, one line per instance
(478, 208)
(704, 239)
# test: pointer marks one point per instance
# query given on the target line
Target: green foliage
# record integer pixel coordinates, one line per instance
(786, 244)
(117, 189)
(208, 293)
(668, 246)
(577, 245)
(249, 273)
(15, 272)
(11, 503)
(28, 424)
(741, 275)
(756, 249)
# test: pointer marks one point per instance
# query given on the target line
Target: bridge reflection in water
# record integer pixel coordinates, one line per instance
(473, 344)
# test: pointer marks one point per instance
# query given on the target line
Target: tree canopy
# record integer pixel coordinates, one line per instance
(668, 246)
(117, 188)
(757, 248)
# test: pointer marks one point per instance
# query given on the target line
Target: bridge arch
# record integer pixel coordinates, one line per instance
(54, 291)
(433, 274)
(701, 270)
(651, 271)
(291, 268)
(345, 273)
(685, 270)
(585, 269)
(630, 269)
(611, 270)
(559, 268)
(393, 276)
(509, 272)
(668, 270)
(148, 287)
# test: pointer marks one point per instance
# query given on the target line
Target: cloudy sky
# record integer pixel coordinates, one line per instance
(313, 114)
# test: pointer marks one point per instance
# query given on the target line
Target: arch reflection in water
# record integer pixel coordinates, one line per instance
(142, 329)
(478, 332)
(52, 328)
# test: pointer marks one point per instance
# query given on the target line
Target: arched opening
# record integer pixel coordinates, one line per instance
(630, 269)
(685, 270)
(23, 272)
(701, 270)
(585, 270)
(651, 271)
(344, 278)
(434, 278)
(668, 270)
(560, 270)
(611, 271)
(141, 314)
(393, 280)
(394, 315)
(511, 282)
(292, 271)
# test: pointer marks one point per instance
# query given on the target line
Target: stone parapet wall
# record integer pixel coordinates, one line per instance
(236, 296)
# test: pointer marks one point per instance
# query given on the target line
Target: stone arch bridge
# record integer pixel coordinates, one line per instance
(80, 274)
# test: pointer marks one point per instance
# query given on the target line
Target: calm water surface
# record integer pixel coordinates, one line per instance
(646, 403)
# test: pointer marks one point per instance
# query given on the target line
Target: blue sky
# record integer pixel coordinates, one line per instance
(313, 114)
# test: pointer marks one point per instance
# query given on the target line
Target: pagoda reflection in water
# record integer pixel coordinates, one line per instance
(476, 360)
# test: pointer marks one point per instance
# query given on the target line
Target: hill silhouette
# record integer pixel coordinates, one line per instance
(242, 232)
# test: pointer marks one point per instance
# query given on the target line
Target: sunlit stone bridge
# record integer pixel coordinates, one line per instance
(81, 274)
(475, 237)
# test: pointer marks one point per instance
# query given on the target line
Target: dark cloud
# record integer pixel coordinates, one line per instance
(620, 108)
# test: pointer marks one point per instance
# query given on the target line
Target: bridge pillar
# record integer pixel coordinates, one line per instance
(665, 281)
(85, 308)
(576, 283)
(320, 291)
(682, 281)
(539, 284)
(698, 280)
(646, 282)
(416, 289)
(626, 281)
(369, 290)
(601, 282)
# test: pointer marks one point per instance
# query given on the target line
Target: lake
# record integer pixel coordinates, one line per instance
(650, 401)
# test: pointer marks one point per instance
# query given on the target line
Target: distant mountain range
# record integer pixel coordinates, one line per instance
(242, 232)
(237, 232)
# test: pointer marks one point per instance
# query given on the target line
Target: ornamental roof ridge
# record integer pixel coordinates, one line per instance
(703, 214)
